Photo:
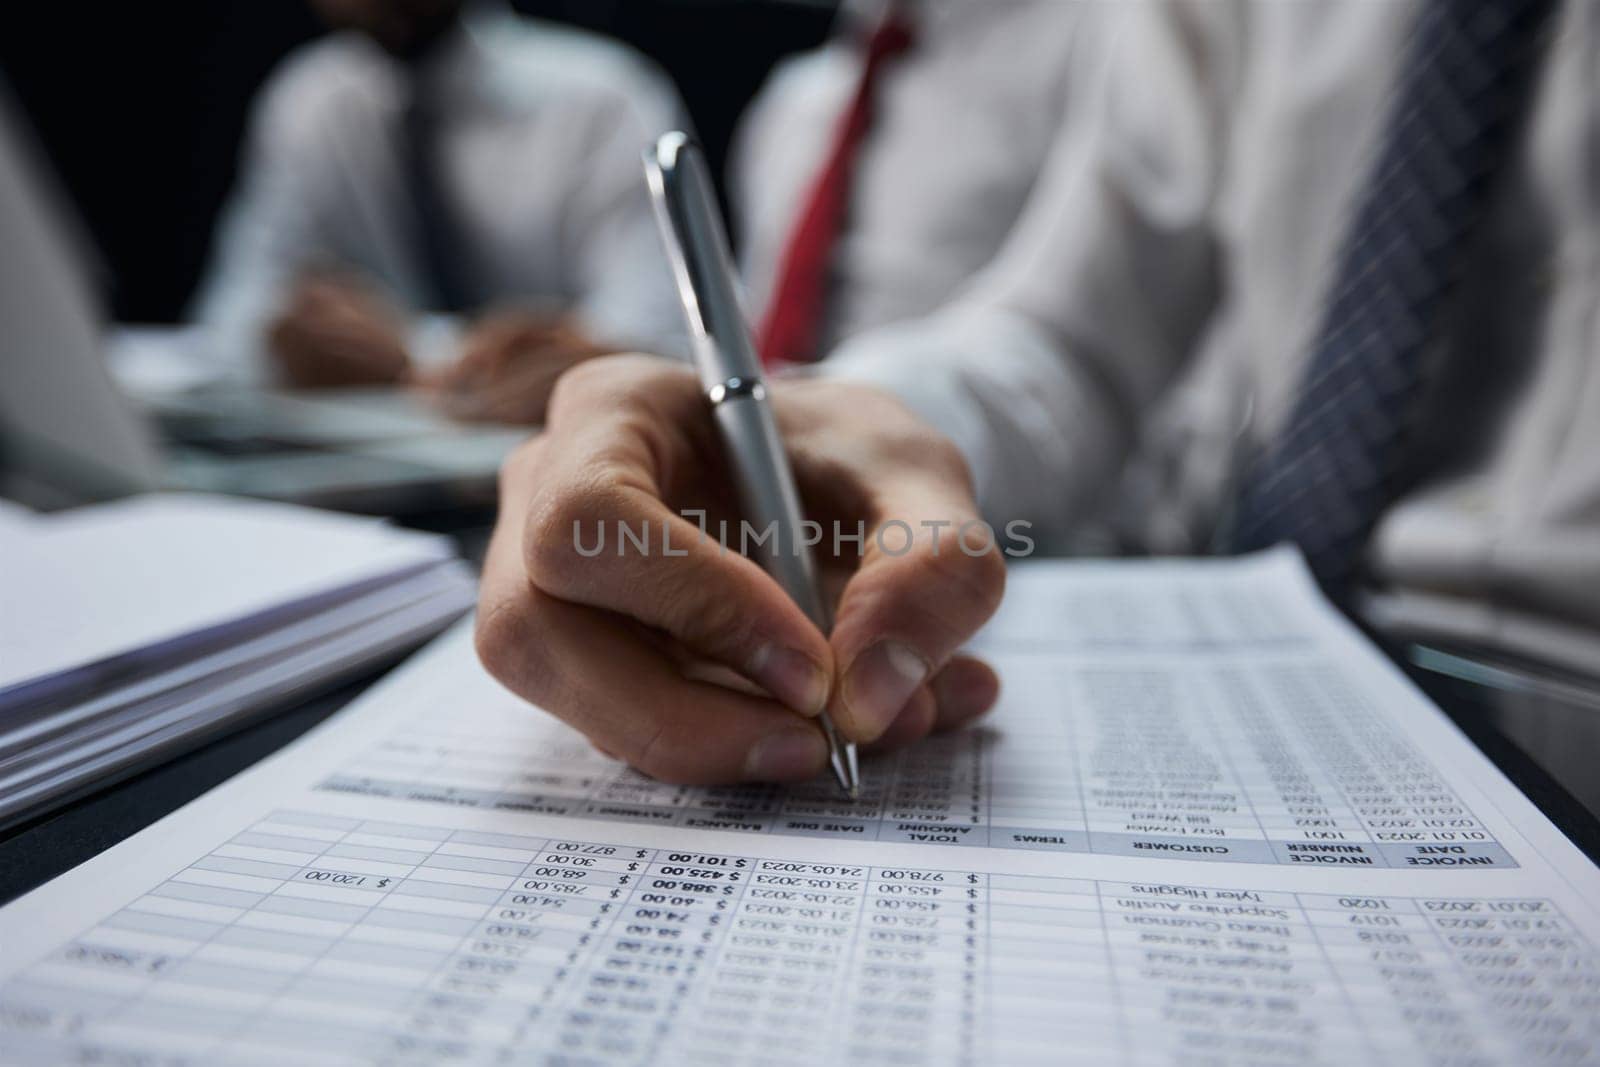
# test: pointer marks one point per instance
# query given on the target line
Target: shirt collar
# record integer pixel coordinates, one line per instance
(932, 18)
(452, 72)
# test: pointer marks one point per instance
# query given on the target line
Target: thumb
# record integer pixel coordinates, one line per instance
(931, 576)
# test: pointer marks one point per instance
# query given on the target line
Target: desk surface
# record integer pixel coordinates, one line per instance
(1552, 738)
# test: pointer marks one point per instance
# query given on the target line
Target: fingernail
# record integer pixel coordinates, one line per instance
(791, 676)
(787, 756)
(879, 683)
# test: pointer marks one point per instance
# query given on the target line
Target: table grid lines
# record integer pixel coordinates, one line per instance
(629, 954)
(1322, 779)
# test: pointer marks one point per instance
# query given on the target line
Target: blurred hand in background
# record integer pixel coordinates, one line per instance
(458, 158)
(337, 330)
(510, 361)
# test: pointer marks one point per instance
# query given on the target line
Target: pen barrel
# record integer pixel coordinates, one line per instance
(770, 502)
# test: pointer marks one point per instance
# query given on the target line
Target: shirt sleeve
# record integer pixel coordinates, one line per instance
(625, 288)
(1041, 369)
(268, 229)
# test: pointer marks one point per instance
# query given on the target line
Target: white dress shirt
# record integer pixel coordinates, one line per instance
(1150, 320)
(962, 125)
(541, 148)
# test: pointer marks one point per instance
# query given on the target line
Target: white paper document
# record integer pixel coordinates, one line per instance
(148, 575)
(1207, 823)
(136, 628)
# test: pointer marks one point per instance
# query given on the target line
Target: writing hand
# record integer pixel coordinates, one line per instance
(634, 648)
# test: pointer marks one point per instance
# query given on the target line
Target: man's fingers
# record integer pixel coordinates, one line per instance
(598, 534)
(600, 597)
(965, 690)
(620, 549)
(520, 395)
(962, 692)
(592, 669)
(915, 721)
(929, 572)
(334, 333)
(929, 580)
(603, 674)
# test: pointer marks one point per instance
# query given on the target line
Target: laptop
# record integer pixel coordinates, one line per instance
(70, 434)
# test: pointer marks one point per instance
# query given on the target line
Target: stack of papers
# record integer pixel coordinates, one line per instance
(133, 630)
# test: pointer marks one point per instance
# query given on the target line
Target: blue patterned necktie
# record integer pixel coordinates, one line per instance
(1341, 457)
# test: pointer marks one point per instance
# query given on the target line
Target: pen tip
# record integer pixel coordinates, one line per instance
(842, 758)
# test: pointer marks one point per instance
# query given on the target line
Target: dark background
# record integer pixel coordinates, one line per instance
(140, 106)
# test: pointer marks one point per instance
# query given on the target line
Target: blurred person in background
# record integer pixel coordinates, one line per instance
(454, 157)
(1325, 272)
(1321, 273)
(872, 177)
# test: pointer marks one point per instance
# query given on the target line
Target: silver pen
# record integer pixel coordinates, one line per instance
(725, 357)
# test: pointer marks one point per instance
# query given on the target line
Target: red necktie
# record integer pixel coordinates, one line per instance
(794, 314)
